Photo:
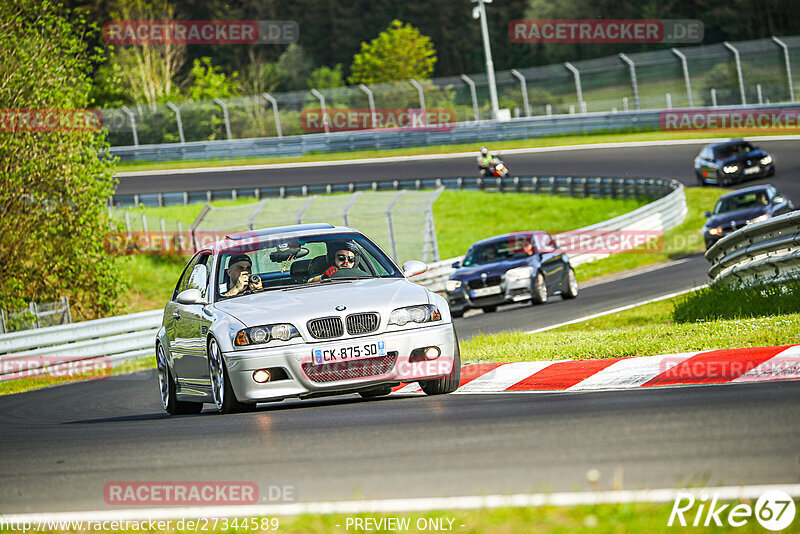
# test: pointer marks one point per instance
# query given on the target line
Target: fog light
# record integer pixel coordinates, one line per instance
(261, 376)
(432, 353)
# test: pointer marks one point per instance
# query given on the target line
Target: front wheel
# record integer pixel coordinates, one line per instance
(169, 395)
(539, 290)
(449, 383)
(224, 398)
(572, 286)
(379, 391)
(489, 309)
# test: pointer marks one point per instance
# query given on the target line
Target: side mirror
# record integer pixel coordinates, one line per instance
(778, 200)
(191, 296)
(414, 267)
(456, 265)
(707, 214)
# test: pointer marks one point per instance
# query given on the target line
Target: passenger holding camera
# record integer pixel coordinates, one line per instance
(239, 277)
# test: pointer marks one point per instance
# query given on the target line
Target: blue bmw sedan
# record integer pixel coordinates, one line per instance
(517, 267)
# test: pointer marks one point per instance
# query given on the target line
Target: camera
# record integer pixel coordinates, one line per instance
(254, 279)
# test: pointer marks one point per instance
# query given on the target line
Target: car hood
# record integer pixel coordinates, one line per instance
(753, 156)
(474, 271)
(739, 217)
(297, 306)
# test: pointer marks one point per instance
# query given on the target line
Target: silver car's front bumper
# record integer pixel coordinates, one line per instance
(241, 364)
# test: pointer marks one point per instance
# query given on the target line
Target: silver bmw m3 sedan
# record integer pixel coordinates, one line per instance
(300, 311)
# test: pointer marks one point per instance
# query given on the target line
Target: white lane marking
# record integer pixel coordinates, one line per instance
(665, 495)
(423, 157)
(631, 372)
(784, 365)
(616, 310)
(503, 377)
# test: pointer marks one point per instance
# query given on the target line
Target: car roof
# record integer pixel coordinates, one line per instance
(254, 237)
(745, 190)
(506, 236)
(725, 143)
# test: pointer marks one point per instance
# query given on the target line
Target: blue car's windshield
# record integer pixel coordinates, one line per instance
(745, 201)
(288, 263)
(493, 252)
(733, 149)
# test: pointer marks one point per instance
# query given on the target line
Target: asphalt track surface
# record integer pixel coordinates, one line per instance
(665, 161)
(59, 446)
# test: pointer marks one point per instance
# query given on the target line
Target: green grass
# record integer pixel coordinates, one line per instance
(678, 242)
(439, 149)
(725, 302)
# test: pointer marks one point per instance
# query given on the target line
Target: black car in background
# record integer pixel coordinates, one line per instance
(732, 162)
(742, 207)
(522, 266)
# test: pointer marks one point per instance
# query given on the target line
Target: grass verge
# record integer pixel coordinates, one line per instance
(443, 149)
(725, 302)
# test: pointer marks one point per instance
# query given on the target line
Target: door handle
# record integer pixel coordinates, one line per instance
(176, 315)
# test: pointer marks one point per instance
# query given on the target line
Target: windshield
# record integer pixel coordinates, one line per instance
(298, 262)
(756, 199)
(494, 252)
(733, 149)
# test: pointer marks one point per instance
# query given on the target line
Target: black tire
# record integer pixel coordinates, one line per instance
(722, 181)
(456, 313)
(489, 309)
(700, 180)
(221, 390)
(380, 391)
(771, 172)
(538, 290)
(449, 383)
(169, 395)
(571, 290)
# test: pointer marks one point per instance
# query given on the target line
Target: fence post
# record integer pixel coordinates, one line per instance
(346, 210)
(174, 108)
(421, 93)
(132, 119)
(713, 97)
(686, 79)
(625, 103)
(34, 309)
(473, 94)
(268, 97)
(68, 313)
(788, 66)
(325, 119)
(669, 100)
(760, 96)
(570, 67)
(371, 99)
(738, 69)
(634, 85)
(225, 116)
(3, 328)
(524, 88)
(392, 240)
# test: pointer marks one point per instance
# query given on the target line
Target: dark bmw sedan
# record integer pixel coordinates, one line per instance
(732, 162)
(523, 266)
(742, 207)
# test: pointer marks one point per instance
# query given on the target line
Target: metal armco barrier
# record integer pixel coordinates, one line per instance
(768, 251)
(482, 132)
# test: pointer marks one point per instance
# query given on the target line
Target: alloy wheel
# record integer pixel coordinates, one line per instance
(216, 373)
(163, 376)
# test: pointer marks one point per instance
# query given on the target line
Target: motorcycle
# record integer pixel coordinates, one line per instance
(497, 168)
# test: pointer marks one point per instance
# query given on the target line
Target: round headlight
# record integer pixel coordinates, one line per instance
(401, 317)
(261, 376)
(282, 332)
(452, 285)
(432, 353)
(417, 315)
(259, 335)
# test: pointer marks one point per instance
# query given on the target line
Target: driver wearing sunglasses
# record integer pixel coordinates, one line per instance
(345, 257)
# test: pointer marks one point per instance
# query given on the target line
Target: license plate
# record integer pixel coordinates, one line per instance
(751, 170)
(346, 353)
(485, 291)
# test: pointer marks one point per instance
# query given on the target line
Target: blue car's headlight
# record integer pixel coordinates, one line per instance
(452, 285)
(519, 273)
(258, 335)
(425, 313)
(766, 160)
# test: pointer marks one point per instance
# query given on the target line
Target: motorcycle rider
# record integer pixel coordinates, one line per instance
(485, 160)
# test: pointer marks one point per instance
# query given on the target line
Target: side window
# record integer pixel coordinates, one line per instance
(183, 282)
(198, 279)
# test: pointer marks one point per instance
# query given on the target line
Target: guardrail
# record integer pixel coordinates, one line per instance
(480, 132)
(663, 214)
(115, 339)
(768, 251)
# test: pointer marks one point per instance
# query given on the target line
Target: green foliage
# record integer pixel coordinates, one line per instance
(294, 68)
(399, 53)
(324, 78)
(721, 301)
(53, 187)
(724, 79)
(207, 81)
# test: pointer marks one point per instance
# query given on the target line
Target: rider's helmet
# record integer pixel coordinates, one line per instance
(484, 151)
